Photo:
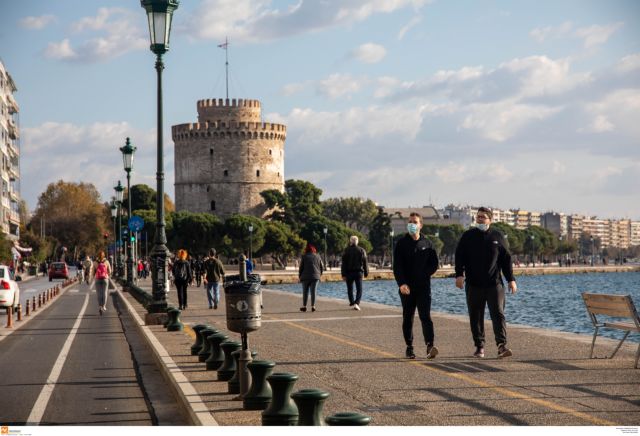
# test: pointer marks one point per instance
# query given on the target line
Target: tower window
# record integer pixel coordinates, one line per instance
(208, 188)
(257, 173)
(270, 152)
(211, 151)
(226, 173)
(213, 205)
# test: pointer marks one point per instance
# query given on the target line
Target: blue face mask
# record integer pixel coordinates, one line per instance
(412, 228)
(483, 227)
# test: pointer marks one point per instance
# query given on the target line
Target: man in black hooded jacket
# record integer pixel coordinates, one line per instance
(414, 263)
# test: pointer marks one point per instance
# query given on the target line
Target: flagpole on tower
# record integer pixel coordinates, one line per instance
(225, 46)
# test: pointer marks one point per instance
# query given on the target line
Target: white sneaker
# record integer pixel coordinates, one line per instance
(356, 307)
(104, 308)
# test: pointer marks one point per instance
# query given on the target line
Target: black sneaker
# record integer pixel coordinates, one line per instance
(479, 352)
(303, 309)
(432, 351)
(409, 354)
(503, 351)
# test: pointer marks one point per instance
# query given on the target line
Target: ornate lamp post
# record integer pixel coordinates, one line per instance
(114, 215)
(325, 230)
(119, 189)
(159, 15)
(251, 242)
(127, 159)
(533, 259)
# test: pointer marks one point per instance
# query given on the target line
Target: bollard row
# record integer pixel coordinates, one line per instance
(31, 305)
(268, 391)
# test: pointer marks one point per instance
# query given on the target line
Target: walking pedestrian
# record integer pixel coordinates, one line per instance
(482, 257)
(309, 273)
(182, 276)
(213, 275)
(102, 273)
(354, 267)
(414, 262)
(88, 267)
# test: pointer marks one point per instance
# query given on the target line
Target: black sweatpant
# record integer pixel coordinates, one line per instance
(352, 278)
(477, 299)
(421, 300)
(181, 289)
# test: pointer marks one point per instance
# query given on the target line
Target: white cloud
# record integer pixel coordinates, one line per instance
(412, 23)
(259, 21)
(60, 50)
(629, 63)
(541, 34)
(558, 168)
(37, 23)
(115, 31)
(596, 35)
(87, 153)
(338, 85)
(369, 53)
(293, 88)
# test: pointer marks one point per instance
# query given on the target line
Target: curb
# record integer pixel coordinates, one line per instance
(195, 408)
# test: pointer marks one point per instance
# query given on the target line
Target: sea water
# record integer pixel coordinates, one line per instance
(546, 301)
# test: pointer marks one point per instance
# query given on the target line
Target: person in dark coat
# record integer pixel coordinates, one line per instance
(482, 257)
(309, 273)
(414, 262)
(182, 276)
(354, 268)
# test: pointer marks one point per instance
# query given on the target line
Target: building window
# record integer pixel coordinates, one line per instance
(226, 173)
(211, 151)
(257, 173)
(213, 205)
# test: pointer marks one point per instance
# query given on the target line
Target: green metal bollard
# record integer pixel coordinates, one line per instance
(310, 403)
(175, 325)
(197, 345)
(259, 395)
(282, 410)
(205, 351)
(234, 383)
(166, 323)
(216, 356)
(348, 419)
(228, 367)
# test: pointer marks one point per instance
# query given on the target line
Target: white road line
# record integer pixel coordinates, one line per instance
(74, 290)
(336, 318)
(43, 399)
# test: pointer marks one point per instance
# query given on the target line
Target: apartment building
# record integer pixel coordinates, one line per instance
(574, 226)
(634, 232)
(598, 229)
(620, 233)
(10, 149)
(556, 223)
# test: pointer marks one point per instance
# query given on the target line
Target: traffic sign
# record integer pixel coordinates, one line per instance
(136, 223)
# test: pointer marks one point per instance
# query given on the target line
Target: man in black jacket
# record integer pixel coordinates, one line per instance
(482, 257)
(414, 263)
(354, 266)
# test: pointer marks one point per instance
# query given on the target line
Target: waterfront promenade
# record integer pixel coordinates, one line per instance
(357, 358)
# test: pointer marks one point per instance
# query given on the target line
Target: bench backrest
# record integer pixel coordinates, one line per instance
(620, 306)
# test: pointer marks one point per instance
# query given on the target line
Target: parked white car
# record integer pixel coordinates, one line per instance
(9, 289)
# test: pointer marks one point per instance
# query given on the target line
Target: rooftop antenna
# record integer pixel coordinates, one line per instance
(225, 47)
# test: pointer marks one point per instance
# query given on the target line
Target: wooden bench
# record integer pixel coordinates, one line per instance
(618, 306)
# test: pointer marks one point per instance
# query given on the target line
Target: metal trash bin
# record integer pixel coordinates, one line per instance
(244, 313)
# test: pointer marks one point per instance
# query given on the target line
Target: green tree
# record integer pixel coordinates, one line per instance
(5, 249)
(299, 202)
(74, 216)
(149, 230)
(450, 235)
(354, 212)
(196, 232)
(144, 197)
(379, 233)
(281, 243)
(337, 235)
(236, 228)
(515, 238)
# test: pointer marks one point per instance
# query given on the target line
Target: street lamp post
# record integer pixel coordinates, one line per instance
(159, 15)
(391, 233)
(119, 189)
(251, 242)
(127, 159)
(593, 250)
(325, 230)
(114, 214)
(533, 253)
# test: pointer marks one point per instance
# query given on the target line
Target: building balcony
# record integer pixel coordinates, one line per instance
(12, 104)
(14, 217)
(13, 129)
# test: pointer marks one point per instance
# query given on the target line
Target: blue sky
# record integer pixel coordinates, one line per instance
(514, 104)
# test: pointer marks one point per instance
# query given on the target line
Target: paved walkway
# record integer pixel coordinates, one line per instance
(357, 358)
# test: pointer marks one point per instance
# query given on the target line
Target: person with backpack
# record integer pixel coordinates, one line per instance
(182, 276)
(213, 275)
(102, 270)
